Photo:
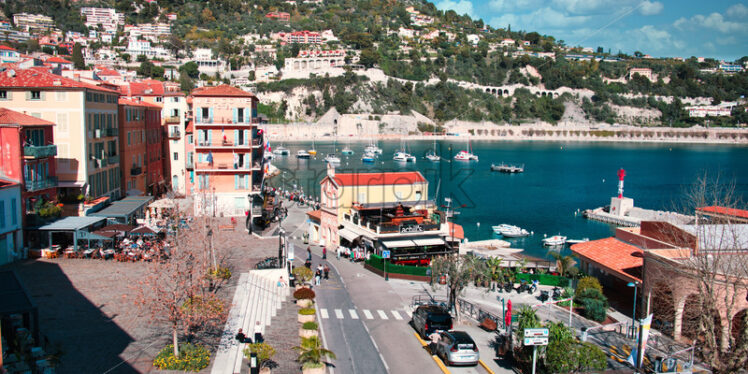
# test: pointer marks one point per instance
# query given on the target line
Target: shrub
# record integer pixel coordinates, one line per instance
(303, 274)
(309, 326)
(595, 310)
(588, 282)
(192, 357)
(591, 293)
(303, 294)
(222, 273)
(307, 311)
(264, 352)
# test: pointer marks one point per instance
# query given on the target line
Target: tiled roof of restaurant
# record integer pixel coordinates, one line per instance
(38, 78)
(223, 90)
(619, 258)
(11, 117)
(379, 179)
(725, 211)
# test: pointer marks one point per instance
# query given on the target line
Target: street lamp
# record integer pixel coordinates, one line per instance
(633, 315)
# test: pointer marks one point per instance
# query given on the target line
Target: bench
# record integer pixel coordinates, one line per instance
(488, 324)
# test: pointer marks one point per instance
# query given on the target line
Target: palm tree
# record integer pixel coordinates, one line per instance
(494, 270)
(311, 352)
(563, 263)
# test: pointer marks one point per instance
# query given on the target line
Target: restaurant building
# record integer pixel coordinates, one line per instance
(379, 212)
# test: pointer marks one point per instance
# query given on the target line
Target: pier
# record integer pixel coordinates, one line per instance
(635, 216)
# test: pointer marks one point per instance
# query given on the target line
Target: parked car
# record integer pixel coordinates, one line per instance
(429, 318)
(457, 348)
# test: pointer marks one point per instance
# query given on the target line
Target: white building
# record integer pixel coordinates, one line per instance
(33, 22)
(328, 36)
(644, 72)
(723, 109)
(473, 39)
(149, 31)
(507, 43)
(407, 33)
(108, 18)
(137, 47)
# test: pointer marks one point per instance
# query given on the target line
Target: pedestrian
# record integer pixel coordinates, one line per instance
(281, 282)
(240, 336)
(317, 276)
(324, 253)
(434, 337)
(327, 272)
(338, 252)
(309, 253)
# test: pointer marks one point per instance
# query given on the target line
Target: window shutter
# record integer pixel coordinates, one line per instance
(42, 95)
(246, 181)
(247, 163)
(236, 115)
(236, 182)
(28, 95)
(246, 137)
(210, 114)
(210, 136)
(198, 114)
(247, 114)
(236, 137)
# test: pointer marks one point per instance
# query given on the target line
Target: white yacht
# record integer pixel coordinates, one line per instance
(332, 158)
(371, 148)
(282, 151)
(303, 154)
(404, 157)
(555, 240)
(369, 158)
(467, 155)
(347, 151)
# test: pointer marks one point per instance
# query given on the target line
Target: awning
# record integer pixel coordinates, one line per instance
(429, 241)
(398, 243)
(124, 208)
(348, 235)
(71, 223)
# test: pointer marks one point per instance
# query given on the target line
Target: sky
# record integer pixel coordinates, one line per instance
(664, 28)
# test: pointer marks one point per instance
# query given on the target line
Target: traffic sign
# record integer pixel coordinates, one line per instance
(386, 254)
(291, 252)
(534, 333)
(543, 340)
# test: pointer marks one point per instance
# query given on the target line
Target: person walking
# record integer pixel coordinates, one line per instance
(309, 254)
(324, 253)
(317, 276)
(327, 272)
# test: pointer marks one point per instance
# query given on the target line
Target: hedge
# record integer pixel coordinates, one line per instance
(378, 263)
(544, 279)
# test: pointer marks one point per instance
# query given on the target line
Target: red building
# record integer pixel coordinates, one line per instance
(140, 147)
(28, 157)
(283, 16)
(155, 183)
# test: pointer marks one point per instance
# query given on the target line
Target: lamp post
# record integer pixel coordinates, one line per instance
(633, 315)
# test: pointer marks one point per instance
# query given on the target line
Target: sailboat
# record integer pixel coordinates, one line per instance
(347, 151)
(369, 158)
(431, 155)
(333, 158)
(402, 155)
(466, 155)
(372, 148)
(312, 151)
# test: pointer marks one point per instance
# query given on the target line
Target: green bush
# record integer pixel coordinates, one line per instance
(588, 282)
(303, 294)
(307, 311)
(303, 274)
(222, 273)
(192, 357)
(595, 310)
(309, 326)
(264, 352)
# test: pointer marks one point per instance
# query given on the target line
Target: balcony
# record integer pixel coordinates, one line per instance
(171, 119)
(220, 167)
(220, 144)
(113, 159)
(40, 151)
(189, 165)
(110, 132)
(175, 134)
(223, 121)
(403, 227)
(135, 171)
(41, 184)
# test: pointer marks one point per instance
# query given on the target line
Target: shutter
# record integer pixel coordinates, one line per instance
(236, 115)
(247, 114)
(236, 137)
(236, 182)
(247, 163)
(210, 114)
(198, 114)
(246, 181)
(28, 95)
(42, 95)
(246, 137)
(210, 136)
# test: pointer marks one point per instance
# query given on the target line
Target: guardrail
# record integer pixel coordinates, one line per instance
(37, 185)
(40, 151)
(475, 312)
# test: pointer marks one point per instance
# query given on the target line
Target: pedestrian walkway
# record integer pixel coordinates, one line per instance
(389, 315)
(256, 300)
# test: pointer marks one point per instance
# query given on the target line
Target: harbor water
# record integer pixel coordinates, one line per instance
(559, 179)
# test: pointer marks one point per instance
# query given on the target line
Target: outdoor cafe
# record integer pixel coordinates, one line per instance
(126, 211)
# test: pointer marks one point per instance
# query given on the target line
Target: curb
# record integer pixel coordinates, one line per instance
(485, 367)
(436, 359)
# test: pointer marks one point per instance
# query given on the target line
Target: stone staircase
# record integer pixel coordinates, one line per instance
(256, 300)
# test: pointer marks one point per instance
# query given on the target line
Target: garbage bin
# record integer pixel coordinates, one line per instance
(292, 281)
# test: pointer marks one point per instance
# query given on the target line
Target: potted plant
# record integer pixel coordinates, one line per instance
(306, 315)
(304, 297)
(308, 329)
(264, 353)
(303, 275)
(311, 356)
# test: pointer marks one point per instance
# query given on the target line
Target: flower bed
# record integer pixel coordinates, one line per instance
(306, 315)
(192, 357)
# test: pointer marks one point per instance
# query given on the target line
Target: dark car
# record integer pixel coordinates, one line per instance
(457, 348)
(429, 318)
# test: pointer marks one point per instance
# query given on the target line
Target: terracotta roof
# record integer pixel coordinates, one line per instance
(455, 231)
(6, 48)
(58, 60)
(315, 214)
(724, 211)
(39, 78)
(11, 117)
(107, 72)
(674, 253)
(130, 102)
(621, 259)
(223, 90)
(148, 87)
(379, 179)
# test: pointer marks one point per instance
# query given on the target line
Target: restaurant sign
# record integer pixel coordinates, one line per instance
(411, 229)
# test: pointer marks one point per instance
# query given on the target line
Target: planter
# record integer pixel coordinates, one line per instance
(304, 333)
(304, 303)
(306, 318)
(318, 370)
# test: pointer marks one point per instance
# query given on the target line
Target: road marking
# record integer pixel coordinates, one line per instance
(324, 314)
(339, 313)
(397, 315)
(368, 315)
(409, 313)
(382, 314)
(354, 315)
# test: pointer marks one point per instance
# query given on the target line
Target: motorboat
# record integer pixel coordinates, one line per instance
(555, 240)
(269, 156)
(303, 154)
(404, 157)
(369, 158)
(433, 157)
(347, 151)
(332, 158)
(465, 156)
(515, 232)
(498, 229)
(282, 151)
(504, 168)
(372, 148)
(577, 241)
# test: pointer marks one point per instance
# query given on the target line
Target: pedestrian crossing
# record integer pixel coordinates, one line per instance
(380, 314)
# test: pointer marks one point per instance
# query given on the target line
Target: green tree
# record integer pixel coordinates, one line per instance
(78, 61)
(311, 353)
(190, 69)
(185, 83)
(563, 263)
(564, 354)
(369, 57)
(459, 271)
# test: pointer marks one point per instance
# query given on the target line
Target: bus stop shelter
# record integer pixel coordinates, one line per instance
(79, 227)
(125, 211)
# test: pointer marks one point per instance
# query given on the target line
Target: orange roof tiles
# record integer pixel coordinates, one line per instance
(315, 214)
(11, 117)
(725, 211)
(456, 231)
(379, 179)
(621, 259)
(58, 60)
(6, 48)
(39, 78)
(130, 102)
(223, 90)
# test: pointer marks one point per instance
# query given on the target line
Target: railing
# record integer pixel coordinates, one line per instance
(385, 228)
(227, 144)
(40, 151)
(476, 313)
(135, 171)
(223, 120)
(113, 159)
(111, 132)
(41, 184)
(175, 134)
(171, 119)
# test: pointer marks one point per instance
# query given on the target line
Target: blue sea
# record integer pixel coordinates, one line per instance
(559, 179)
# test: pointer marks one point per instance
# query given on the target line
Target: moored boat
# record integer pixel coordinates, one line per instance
(555, 240)
(332, 158)
(504, 168)
(303, 154)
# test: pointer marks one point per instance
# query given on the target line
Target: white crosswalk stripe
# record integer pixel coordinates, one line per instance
(354, 315)
(367, 314)
(339, 313)
(382, 314)
(397, 315)
(323, 313)
(409, 313)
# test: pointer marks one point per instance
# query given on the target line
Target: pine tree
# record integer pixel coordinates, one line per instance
(78, 57)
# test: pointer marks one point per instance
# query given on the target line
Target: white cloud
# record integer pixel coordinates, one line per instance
(541, 19)
(714, 21)
(514, 5)
(737, 11)
(649, 8)
(461, 7)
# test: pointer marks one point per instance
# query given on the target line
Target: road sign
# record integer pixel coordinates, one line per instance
(291, 251)
(385, 254)
(534, 333)
(543, 340)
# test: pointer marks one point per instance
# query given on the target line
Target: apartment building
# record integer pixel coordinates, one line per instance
(224, 151)
(86, 132)
(301, 37)
(132, 146)
(33, 22)
(9, 54)
(148, 31)
(108, 18)
(154, 135)
(28, 158)
(11, 234)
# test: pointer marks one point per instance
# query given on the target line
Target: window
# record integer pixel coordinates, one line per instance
(158, 100)
(2, 214)
(36, 95)
(13, 208)
(240, 114)
(189, 139)
(176, 156)
(129, 139)
(3, 95)
(60, 95)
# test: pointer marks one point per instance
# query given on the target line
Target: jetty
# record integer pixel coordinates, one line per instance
(504, 168)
